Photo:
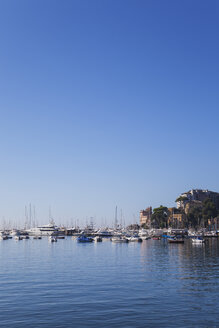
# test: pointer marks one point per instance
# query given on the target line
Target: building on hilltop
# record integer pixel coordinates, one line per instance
(197, 195)
(145, 217)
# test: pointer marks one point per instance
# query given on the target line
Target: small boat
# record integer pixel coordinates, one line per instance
(84, 239)
(14, 232)
(198, 240)
(52, 239)
(3, 237)
(119, 239)
(18, 237)
(98, 239)
(135, 239)
(25, 237)
(60, 237)
(174, 240)
(37, 237)
(156, 238)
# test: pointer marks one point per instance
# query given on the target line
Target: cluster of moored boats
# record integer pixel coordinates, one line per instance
(116, 239)
(173, 236)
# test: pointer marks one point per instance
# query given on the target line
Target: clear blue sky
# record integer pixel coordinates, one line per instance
(105, 103)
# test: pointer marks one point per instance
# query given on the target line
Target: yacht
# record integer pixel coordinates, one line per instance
(104, 233)
(134, 239)
(144, 234)
(119, 239)
(44, 230)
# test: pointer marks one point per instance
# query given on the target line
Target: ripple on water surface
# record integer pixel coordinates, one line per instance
(121, 285)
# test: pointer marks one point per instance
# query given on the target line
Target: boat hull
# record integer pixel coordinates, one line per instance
(119, 240)
(84, 239)
(175, 241)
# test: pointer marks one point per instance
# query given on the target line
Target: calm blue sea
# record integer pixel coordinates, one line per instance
(66, 284)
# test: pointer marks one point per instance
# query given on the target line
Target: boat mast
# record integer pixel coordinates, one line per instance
(116, 220)
(30, 215)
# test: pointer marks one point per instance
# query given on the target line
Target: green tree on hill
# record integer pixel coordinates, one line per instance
(159, 217)
(195, 217)
(209, 211)
(181, 199)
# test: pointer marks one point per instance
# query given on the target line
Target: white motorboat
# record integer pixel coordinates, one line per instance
(97, 239)
(143, 234)
(134, 239)
(52, 239)
(3, 235)
(198, 240)
(18, 237)
(14, 232)
(119, 239)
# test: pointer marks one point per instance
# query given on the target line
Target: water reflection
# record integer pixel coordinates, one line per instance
(105, 284)
(184, 261)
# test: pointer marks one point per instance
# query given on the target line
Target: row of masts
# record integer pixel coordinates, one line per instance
(30, 217)
(31, 220)
(117, 224)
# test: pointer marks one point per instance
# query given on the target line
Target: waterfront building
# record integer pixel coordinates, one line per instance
(213, 224)
(176, 219)
(145, 217)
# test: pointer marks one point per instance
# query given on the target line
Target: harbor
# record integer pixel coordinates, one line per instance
(154, 272)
